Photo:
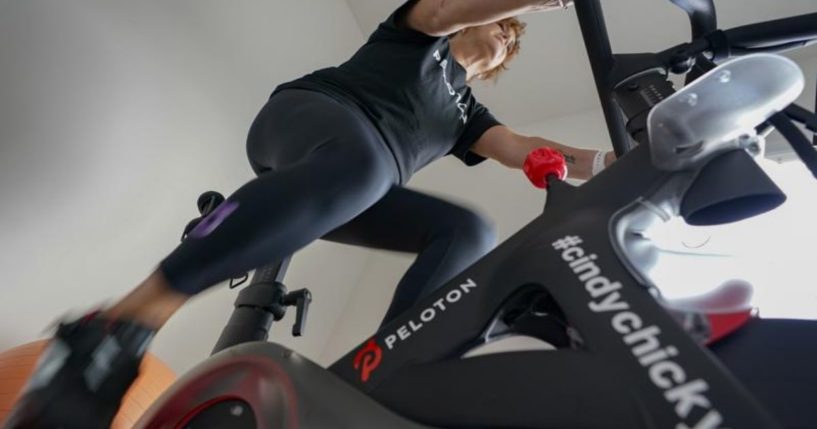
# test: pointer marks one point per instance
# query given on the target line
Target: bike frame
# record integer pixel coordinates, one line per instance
(629, 85)
(542, 261)
(553, 258)
(572, 264)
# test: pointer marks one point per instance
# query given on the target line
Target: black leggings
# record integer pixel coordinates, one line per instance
(324, 172)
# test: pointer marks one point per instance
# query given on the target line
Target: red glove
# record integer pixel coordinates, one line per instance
(543, 162)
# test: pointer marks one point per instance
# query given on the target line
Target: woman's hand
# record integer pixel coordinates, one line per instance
(444, 17)
(502, 144)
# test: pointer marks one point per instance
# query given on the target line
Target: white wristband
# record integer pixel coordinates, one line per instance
(598, 162)
(564, 4)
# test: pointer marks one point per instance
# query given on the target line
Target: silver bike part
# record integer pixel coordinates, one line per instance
(720, 110)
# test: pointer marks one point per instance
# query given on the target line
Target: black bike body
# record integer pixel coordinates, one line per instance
(529, 270)
(572, 277)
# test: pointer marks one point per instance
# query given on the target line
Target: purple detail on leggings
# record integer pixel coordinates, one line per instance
(214, 219)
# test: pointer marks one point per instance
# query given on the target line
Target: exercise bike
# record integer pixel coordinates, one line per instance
(575, 277)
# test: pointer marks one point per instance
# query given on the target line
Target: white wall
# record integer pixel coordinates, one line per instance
(114, 116)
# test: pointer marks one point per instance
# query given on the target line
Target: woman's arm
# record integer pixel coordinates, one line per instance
(443, 17)
(500, 143)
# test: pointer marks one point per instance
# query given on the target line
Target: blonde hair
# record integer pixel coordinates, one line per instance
(514, 26)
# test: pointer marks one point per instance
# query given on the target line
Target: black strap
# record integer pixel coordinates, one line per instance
(797, 140)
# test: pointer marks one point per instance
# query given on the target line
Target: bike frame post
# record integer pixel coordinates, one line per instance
(256, 307)
(602, 61)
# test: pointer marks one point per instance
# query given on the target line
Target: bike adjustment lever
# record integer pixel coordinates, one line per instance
(301, 299)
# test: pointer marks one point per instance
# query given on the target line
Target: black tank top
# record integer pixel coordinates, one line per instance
(414, 92)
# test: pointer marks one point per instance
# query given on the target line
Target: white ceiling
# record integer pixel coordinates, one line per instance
(552, 76)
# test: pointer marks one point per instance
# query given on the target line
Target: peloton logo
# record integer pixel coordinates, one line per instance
(429, 314)
(644, 341)
(368, 359)
(463, 107)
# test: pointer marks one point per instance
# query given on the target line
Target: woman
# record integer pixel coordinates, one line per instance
(332, 151)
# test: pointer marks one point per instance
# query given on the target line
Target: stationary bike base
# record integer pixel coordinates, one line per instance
(263, 385)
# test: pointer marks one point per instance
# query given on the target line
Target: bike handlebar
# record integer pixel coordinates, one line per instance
(702, 16)
(612, 71)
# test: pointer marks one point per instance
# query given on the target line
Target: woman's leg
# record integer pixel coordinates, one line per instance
(446, 237)
(319, 166)
(775, 359)
(150, 304)
(324, 166)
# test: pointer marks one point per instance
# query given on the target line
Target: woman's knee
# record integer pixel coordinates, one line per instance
(473, 231)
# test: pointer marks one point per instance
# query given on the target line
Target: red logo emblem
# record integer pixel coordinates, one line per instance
(368, 359)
